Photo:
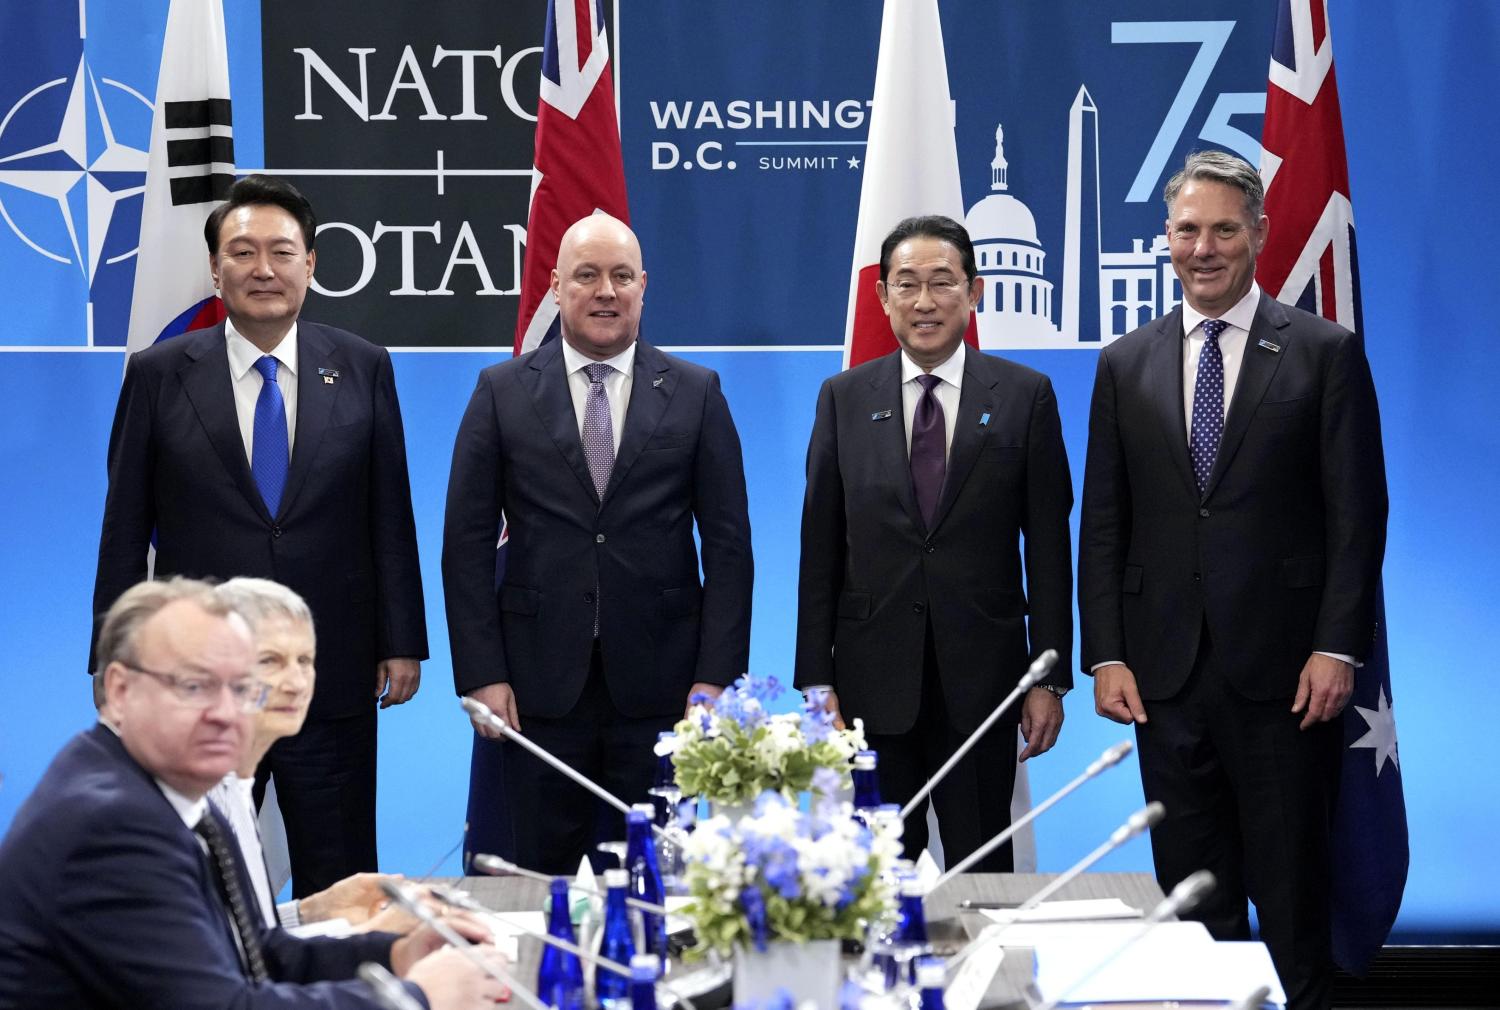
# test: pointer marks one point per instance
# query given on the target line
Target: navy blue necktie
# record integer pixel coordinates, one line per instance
(268, 458)
(929, 449)
(1208, 404)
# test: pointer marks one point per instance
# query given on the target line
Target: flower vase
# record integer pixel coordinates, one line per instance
(807, 972)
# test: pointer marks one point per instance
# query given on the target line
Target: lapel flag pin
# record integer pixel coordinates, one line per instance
(880, 415)
(657, 382)
(1273, 348)
(984, 419)
(328, 374)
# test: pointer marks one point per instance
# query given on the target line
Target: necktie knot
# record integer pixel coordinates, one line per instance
(929, 382)
(266, 366)
(1212, 328)
(598, 371)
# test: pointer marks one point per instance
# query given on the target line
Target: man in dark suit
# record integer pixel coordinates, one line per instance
(118, 885)
(601, 452)
(1232, 533)
(925, 471)
(273, 447)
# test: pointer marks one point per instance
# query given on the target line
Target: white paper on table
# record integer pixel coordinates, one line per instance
(1172, 961)
(509, 927)
(1084, 909)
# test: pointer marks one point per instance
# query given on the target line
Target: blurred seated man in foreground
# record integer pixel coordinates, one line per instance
(119, 886)
(285, 648)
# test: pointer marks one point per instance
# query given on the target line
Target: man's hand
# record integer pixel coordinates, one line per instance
(501, 700)
(450, 981)
(831, 705)
(1041, 721)
(355, 898)
(396, 680)
(414, 946)
(712, 690)
(1115, 694)
(1323, 689)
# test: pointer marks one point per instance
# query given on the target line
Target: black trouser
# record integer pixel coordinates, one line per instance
(556, 821)
(325, 786)
(973, 802)
(1249, 797)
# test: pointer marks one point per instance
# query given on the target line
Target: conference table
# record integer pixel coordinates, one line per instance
(948, 923)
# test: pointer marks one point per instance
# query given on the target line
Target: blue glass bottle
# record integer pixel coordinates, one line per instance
(930, 978)
(559, 978)
(911, 923)
(866, 787)
(644, 969)
(645, 876)
(612, 989)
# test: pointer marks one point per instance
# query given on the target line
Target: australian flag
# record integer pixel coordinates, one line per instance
(1310, 261)
(577, 169)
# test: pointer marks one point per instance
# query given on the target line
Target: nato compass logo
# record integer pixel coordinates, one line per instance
(72, 174)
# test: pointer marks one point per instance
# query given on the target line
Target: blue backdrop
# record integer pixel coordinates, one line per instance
(749, 273)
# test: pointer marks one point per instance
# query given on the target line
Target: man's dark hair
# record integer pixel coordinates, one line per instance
(262, 190)
(930, 226)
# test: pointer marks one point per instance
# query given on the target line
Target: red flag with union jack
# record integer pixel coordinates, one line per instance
(577, 168)
(1310, 261)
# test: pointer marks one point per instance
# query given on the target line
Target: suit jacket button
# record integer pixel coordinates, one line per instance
(588, 597)
(275, 532)
(1204, 513)
(919, 608)
(929, 548)
(598, 538)
(1197, 577)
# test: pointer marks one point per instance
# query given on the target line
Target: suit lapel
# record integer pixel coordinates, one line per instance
(205, 380)
(652, 383)
(1256, 370)
(315, 400)
(547, 381)
(1165, 376)
(888, 433)
(975, 399)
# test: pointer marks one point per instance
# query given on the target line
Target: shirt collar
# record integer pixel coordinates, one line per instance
(950, 371)
(575, 359)
(243, 354)
(191, 811)
(1241, 315)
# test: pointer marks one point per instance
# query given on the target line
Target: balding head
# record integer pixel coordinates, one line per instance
(599, 283)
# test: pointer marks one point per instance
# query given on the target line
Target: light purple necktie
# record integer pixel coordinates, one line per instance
(598, 430)
(1208, 404)
(929, 449)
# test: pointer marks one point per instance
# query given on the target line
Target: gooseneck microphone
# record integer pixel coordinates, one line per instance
(388, 990)
(1029, 679)
(1108, 759)
(495, 866)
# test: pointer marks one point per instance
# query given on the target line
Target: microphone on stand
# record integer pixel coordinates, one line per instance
(480, 712)
(1108, 759)
(1184, 897)
(1148, 816)
(387, 989)
(1255, 1000)
(1029, 679)
(469, 903)
(396, 893)
(495, 866)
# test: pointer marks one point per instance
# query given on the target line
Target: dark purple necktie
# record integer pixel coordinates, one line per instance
(1208, 404)
(929, 449)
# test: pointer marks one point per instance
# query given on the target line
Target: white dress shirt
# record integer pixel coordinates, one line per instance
(946, 392)
(233, 797)
(247, 382)
(1231, 345)
(617, 385)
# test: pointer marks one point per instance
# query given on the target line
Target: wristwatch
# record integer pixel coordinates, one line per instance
(1054, 690)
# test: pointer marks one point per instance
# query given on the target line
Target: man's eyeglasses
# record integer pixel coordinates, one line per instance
(942, 289)
(249, 695)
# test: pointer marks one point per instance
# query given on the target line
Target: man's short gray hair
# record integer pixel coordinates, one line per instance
(259, 600)
(122, 625)
(1216, 166)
